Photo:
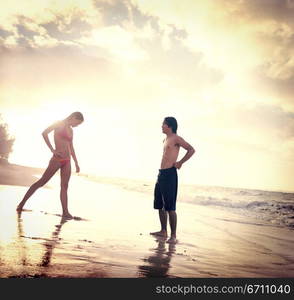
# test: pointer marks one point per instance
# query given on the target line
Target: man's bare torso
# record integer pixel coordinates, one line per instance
(170, 152)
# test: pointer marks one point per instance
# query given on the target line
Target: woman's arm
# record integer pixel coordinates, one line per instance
(73, 154)
(46, 138)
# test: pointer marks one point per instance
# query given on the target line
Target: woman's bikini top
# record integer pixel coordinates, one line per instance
(63, 134)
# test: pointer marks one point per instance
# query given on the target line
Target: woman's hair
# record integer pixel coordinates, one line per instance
(77, 115)
(172, 123)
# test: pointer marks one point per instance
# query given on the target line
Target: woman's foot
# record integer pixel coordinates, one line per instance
(161, 233)
(67, 216)
(19, 208)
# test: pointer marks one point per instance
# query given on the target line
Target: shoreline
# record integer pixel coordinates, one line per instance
(18, 175)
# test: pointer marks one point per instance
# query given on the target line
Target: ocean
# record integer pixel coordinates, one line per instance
(275, 208)
(266, 207)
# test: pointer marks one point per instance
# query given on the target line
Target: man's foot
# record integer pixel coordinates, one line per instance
(172, 240)
(67, 216)
(161, 233)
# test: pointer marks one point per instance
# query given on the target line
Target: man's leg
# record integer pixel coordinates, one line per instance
(158, 204)
(163, 222)
(173, 226)
(173, 190)
(163, 219)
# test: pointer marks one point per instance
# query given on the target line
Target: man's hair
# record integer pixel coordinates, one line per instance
(172, 123)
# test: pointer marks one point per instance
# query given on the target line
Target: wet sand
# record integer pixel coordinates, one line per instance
(112, 238)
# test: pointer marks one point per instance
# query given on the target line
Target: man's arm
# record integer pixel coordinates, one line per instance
(190, 151)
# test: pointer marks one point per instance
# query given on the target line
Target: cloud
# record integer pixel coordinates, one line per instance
(5, 33)
(137, 44)
(282, 90)
(176, 65)
(67, 27)
(25, 32)
(171, 61)
(265, 29)
(132, 44)
(48, 74)
(268, 119)
(278, 10)
(113, 12)
(124, 13)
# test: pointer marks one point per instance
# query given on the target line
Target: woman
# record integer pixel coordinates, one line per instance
(63, 137)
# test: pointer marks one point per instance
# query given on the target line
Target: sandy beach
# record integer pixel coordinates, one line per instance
(111, 237)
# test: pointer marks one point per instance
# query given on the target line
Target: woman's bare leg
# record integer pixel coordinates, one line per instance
(65, 173)
(50, 171)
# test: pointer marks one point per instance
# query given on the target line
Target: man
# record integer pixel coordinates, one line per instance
(165, 192)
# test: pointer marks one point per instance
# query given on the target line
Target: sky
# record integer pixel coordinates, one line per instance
(224, 69)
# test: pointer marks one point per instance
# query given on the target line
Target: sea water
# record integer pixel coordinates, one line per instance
(272, 207)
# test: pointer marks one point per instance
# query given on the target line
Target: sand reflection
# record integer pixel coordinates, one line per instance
(158, 264)
(49, 244)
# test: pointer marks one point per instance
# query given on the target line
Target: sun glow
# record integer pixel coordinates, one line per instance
(27, 124)
(128, 64)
